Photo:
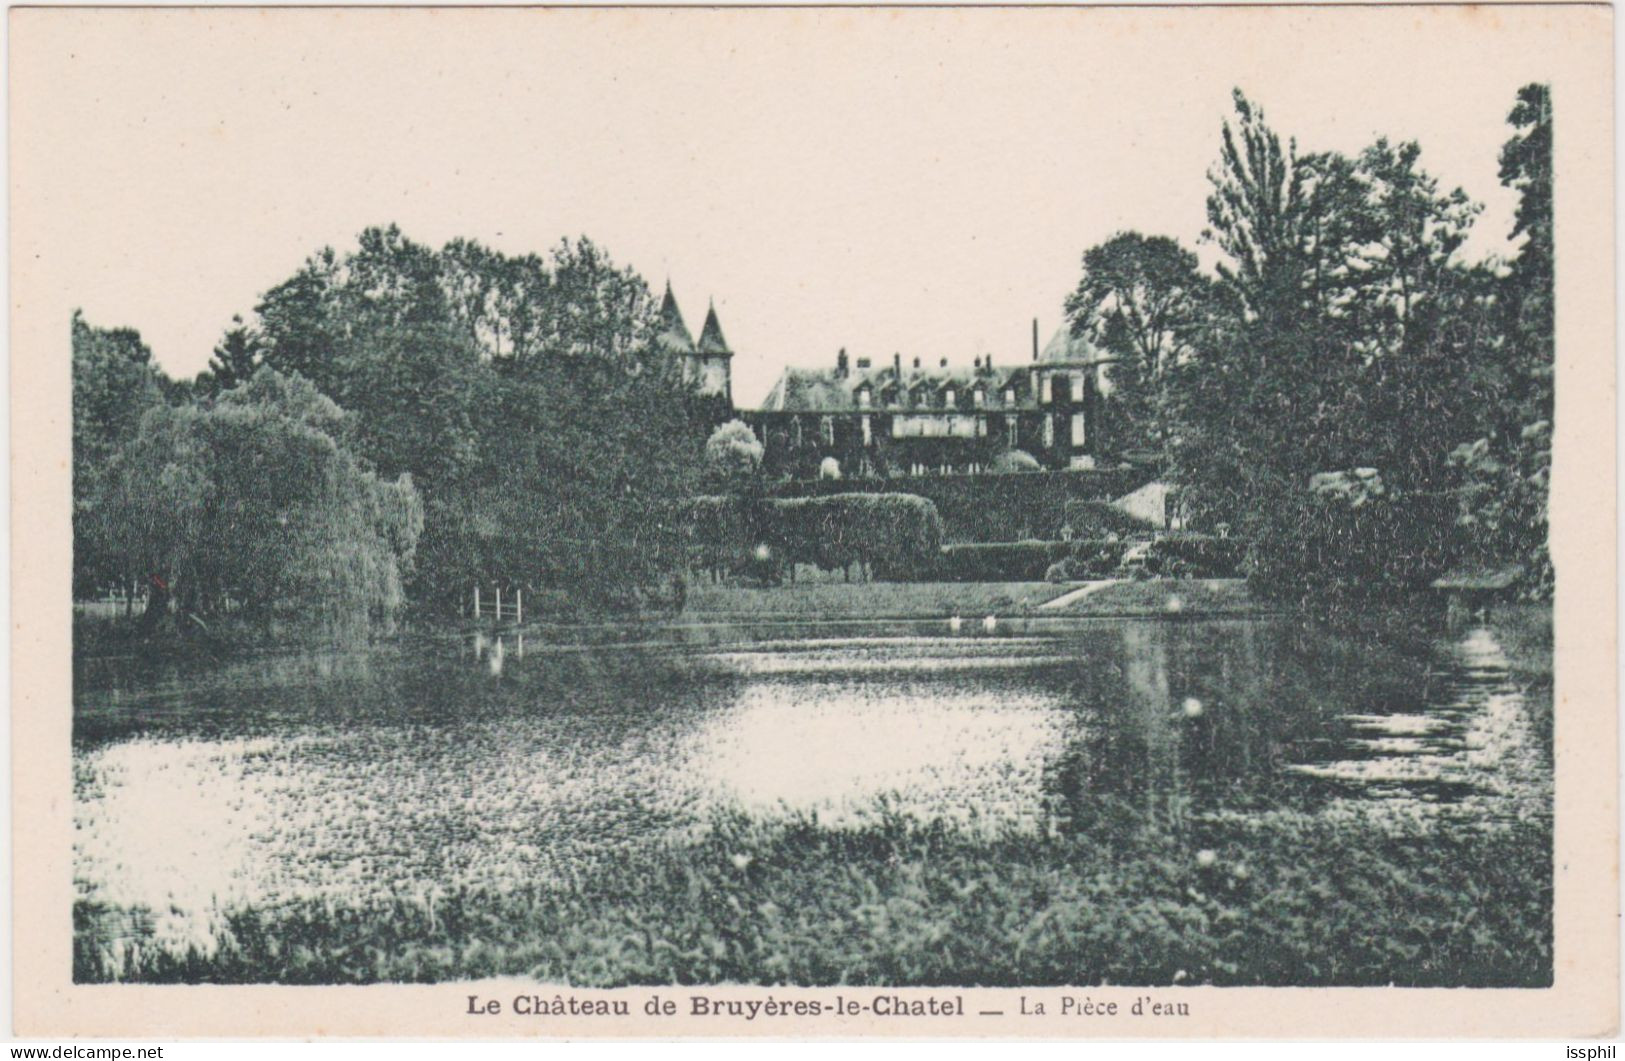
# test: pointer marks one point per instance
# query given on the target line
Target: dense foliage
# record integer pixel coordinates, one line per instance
(1342, 330)
(254, 502)
(895, 536)
(523, 403)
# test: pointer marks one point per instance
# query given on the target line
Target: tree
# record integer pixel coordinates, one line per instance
(1143, 300)
(299, 323)
(733, 456)
(1346, 333)
(255, 501)
(237, 357)
(114, 386)
(413, 391)
(1506, 473)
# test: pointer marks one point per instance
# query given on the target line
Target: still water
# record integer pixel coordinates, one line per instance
(430, 764)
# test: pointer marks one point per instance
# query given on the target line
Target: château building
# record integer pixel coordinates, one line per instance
(905, 417)
(910, 418)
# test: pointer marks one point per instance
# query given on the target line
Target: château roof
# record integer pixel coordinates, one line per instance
(813, 390)
(1064, 347)
(674, 334)
(711, 338)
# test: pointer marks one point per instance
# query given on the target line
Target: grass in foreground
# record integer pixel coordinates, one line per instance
(1283, 899)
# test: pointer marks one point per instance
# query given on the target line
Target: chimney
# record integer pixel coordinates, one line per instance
(942, 363)
(987, 363)
(863, 363)
(841, 364)
(897, 365)
(916, 364)
(1035, 338)
(976, 363)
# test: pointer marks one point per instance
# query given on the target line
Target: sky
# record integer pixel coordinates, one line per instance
(922, 181)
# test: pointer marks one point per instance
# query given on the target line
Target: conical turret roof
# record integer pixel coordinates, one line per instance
(674, 333)
(711, 339)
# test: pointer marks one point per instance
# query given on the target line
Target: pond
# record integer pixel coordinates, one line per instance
(430, 764)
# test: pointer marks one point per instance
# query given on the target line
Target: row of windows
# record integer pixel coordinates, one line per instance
(940, 427)
(1074, 388)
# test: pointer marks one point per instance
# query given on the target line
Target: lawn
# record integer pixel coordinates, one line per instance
(936, 600)
(868, 600)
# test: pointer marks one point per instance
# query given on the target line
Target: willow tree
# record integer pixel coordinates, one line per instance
(255, 504)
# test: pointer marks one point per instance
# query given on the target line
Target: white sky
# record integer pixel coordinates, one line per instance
(919, 181)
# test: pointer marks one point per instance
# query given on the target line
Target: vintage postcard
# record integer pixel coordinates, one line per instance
(796, 522)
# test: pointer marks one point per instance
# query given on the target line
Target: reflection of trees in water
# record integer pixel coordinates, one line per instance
(1171, 715)
(437, 683)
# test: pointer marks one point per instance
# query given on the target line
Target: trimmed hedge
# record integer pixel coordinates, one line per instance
(994, 508)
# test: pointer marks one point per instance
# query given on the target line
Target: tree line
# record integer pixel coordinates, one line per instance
(393, 424)
(1345, 391)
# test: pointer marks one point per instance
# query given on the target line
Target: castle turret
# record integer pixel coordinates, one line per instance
(674, 334)
(714, 358)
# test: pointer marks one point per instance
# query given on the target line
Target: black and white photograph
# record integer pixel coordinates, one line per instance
(904, 517)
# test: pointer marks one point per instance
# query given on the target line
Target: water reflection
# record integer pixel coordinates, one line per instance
(433, 764)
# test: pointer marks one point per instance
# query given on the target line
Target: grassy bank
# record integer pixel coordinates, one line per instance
(939, 600)
(868, 600)
(1186, 597)
(1283, 899)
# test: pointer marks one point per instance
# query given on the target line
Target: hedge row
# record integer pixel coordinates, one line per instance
(996, 508)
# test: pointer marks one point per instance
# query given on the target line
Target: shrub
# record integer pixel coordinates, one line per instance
(1096, 557)
(1014, 460)
(1195, 556)
(733, 454)
(1096, 519)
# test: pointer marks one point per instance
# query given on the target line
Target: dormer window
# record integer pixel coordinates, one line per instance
(863, 397)
(978, 397)
(948, 398)
(1009, 396)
